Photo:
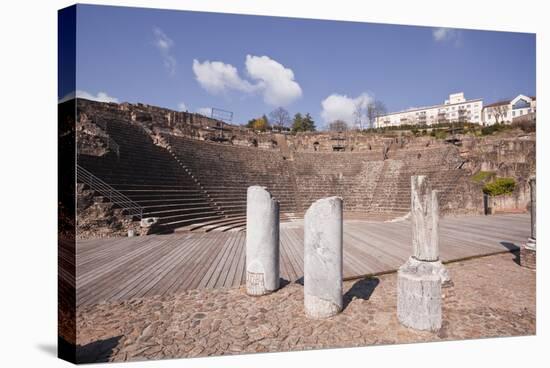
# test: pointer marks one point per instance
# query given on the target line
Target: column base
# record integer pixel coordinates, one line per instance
(419, 295)
(528, 254)
(317, 308)
(255, 284)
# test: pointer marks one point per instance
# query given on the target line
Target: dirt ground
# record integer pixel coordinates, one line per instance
(489, 297)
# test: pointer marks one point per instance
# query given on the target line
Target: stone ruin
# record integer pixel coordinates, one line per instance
(165, 150)
(323, 251)
(528, 251)
(323, 258)
(420, 279)
(262, 242)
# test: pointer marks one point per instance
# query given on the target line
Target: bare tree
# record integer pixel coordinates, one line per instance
(499, 111)
(359, 113)
(279, 118)
(338, 126)
(375, 109)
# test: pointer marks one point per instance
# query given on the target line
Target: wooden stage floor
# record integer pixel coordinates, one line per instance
(122, 268)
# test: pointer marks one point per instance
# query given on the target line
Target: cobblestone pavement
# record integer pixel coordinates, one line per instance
(490, 296)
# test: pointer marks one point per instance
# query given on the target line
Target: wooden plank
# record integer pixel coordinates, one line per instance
(221, 278)
(180, 264)
(123, 268)
(211, 244)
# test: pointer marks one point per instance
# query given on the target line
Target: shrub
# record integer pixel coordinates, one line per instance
(526, 126)
(500, 186)
(482, 176)
(440, 134)
(488, 130)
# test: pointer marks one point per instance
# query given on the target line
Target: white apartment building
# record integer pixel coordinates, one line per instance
(455, 109)
(521, 107)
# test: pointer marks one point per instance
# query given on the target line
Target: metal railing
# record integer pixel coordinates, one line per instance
(131, 208)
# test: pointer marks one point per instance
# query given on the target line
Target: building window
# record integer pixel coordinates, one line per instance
(513, 113)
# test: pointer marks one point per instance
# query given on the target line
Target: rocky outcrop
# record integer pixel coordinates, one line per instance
(97, 218)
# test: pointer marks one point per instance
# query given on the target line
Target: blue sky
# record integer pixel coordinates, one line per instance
(252, 64)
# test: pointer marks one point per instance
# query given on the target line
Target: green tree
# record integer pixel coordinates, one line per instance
(302, 123)
(298, 123)
(308, 123)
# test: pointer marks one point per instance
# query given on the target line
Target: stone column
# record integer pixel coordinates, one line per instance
(420, 279)
(425, 219)
(528, 250)
(262, 242)
(323, 254)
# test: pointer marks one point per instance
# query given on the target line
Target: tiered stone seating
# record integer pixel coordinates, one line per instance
(197, 184)
(438, 163)
(225, 172)
(149, 175)
(352, 176)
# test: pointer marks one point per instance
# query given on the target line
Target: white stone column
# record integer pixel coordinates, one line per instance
(425, 219)
(419, 280)
(532, 242)
(528, 251)
(323, 256)
(262, 242)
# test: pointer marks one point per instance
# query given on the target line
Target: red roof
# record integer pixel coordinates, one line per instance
(499, 103)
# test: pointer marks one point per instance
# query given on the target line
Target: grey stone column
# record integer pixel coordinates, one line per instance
(323, 254)
(262, 242)
(528, 251)
(419, 280)
(532, 242)
(425, 219)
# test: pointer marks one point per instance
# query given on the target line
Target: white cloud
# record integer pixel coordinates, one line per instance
(277, 82)
(217, 77)
(164, 44)
(447, 35)
(182, 106)
(342, 107)
(206, 111)
(100, 97)
(269, 78)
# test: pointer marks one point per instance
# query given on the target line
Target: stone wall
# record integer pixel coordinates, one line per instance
(518, 201)
(508, 155)
(97, 218)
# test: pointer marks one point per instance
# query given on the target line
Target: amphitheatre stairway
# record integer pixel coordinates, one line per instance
(225, 172)
(148, 175)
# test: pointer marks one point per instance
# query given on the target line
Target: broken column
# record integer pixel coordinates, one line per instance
(323, 253)
(528, 250)
(419, 280)
(262, 242)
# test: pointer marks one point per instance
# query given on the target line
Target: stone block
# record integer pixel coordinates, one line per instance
(419, 295)
(528, 256)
